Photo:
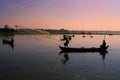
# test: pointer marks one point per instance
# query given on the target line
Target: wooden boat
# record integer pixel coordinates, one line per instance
(82, 49)
(9, 42)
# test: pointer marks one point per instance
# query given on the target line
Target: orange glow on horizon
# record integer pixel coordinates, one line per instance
(66, 14)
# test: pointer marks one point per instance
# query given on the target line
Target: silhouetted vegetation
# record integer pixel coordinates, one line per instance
(7, 29)
(23, 30)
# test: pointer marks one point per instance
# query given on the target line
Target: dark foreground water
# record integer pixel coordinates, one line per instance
(37, 57)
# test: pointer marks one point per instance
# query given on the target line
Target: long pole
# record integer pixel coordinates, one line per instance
(104, 37)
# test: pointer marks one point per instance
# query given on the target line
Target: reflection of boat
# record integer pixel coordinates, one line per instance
(82, 49)
(9, 42)
(66, 56)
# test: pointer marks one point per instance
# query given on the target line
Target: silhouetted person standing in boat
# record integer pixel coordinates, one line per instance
(69, 37)
(66, 38)
(66, 43)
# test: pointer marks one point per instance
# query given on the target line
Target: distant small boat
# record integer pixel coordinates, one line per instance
(91, 36)
(83, 36)
(82, 49)
(9, 42)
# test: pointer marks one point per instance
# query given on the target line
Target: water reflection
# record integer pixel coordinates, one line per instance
(103, 54)
(40, 52)
(65, 56)
(8, 40)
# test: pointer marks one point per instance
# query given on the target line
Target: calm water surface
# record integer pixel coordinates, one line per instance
(37, 57)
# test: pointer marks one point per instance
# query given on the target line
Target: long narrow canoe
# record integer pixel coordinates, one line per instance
(8, 42)
(82, 49)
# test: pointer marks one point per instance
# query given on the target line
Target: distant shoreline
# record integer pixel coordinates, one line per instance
(16, 33)
(22, 31)
(62, 31)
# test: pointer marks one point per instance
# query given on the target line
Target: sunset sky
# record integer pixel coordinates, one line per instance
(57, 14)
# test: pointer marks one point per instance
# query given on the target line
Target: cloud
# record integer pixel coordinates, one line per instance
(25, 1)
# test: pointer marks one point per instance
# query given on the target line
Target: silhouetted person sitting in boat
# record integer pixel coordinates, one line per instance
(104, 46)
(104, 43)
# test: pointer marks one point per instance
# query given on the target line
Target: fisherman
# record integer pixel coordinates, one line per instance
(104, 44)
(64, 38)
(69, 37)
(66, 43)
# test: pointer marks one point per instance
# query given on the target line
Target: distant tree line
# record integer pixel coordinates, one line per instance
(7, 29)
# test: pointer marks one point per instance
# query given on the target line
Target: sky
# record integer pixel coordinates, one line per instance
(61, 14)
